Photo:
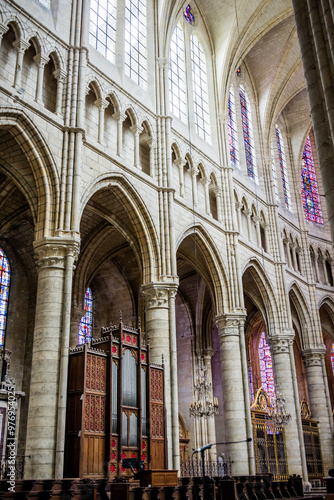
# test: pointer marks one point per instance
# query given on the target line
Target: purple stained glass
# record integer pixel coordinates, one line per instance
(332, 358)
(266, 368)
(310, 194)
(4, 293)
(232, 130)
(188, 15)
(282, 163)
(85, 326)
(250, 381)
(247, 133)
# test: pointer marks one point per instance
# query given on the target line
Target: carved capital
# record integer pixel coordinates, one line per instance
(136, 129)
(238, 205)
(119, 116)
(41, 60)
(21, 45)
(52, 252)
(228, 325)
(256, 219)
(180, 162)
(281, 344)
(314, 356)
(59, 75)
(101, 103)
(163, 62)
(247, 212)
(157, 294)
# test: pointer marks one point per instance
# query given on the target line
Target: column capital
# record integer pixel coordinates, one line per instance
(282, 342)
(156, 295)
(208, 353)
(101, 103)
(205, 181)
(21, 45)
(163, 62)
(180, 162)
(228, 324)
(136, 129)
(256, 219)
(41, 59)
(223, 117)
(238, 205)
(51, 252)
(247, 212)
(119, 116)
(60, 74)
(314, 356)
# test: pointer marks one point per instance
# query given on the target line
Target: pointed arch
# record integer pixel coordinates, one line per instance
(44, 189)
(142, 224)
(212, 268)
(265, 298)
(303, 312)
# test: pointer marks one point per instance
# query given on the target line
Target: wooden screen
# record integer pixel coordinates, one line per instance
(115, 406)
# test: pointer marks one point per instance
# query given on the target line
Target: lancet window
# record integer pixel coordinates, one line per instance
(177, 75)
(273, 170)
(200, 89)
(102, 27)
(310, 193)
(232, 130)
(282, 163)
(85, 326)
(136, 41)
(247, 133)
(4, 294)
(266, 368)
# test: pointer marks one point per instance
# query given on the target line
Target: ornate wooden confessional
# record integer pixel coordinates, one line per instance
(115, 406)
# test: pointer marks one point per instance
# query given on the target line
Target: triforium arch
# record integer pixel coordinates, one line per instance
(38, 179)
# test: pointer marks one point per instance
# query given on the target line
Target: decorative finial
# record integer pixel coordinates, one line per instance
(120, 316)
(139, 322)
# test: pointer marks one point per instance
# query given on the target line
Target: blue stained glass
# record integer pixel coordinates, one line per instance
(282, 162)
(247, 133)
(310, 194)
(85, 326)
(266, 368)
(332, 358)
(232, 130)
(4, 293)
(188, 15)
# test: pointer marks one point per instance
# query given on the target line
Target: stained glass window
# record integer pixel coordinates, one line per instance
(273, 170)
(332, 358)
(188, 15)
(266, 368)
(85, 326)
(232, 130)
(247, 133)
(250, 380)
(310, 194)
(282, 163)
(102, 27)
(135, 41)
(200, 89)
(177, 76)
(4, 293)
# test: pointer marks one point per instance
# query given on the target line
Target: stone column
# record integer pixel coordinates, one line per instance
(136, 130)
(21, 46)
(218, 193)
(286, 242)
(248, 214)
(158, 300)
(294, 259)
(119, 117)
(205, 181)
(101, 104)
(60, 76)
(151, 145)
(280, 350)
(179, 162)
(256, 220)
(324, 270)
(320, 411)
(41, 62)
(44, 385)
(238, 207)
(233, 391)
(193, 173)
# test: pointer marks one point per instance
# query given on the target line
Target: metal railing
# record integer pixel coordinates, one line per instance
(193, 468)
